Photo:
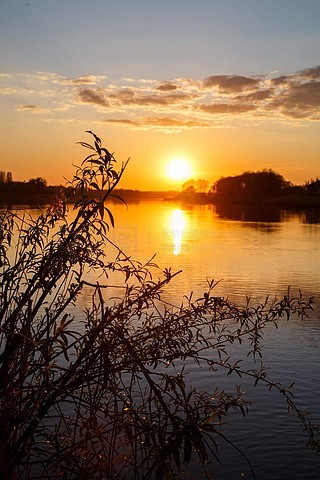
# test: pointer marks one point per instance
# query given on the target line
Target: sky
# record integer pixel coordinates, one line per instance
(227, 85)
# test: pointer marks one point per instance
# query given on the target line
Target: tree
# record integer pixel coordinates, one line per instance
(38, 182)
(189, 186)
(192, 186)
(202, 186)
(251, 185)
(106, 395)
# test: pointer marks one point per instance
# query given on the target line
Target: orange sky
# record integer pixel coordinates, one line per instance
(228, 88)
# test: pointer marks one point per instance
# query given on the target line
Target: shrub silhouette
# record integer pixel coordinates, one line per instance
(104, 394)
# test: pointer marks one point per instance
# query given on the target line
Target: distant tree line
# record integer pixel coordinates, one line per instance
(247, 185)
(262, 186)
(35, 190)
(251, 185)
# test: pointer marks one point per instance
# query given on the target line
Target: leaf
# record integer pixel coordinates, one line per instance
(94, 185)
(86, 145)
(163, 472)
(97, 139)
(118, 198)
(110, 216)
(63, 320)
(176, 455)
(106, 152)
(101, 209)
(200, 446)
(98, 149)
(88, 157)
(187, 451)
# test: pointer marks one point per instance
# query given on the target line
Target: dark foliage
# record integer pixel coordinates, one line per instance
(251, 185)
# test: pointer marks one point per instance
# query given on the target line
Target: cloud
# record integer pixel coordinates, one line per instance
(160, 122)
(9, 91)
(85, 80)
(132, 97)
(226, 108)
(230, 83)
(23, 108)
(282, 80)
(256, 96)
(30, 108)
(305, 94)
(122, 121)
(54, 78)
(178, 103)
(145, 100)
(293, 96)
(93, 96)
(310, 73)
(167, 87)
(175, 122)
(300, 100)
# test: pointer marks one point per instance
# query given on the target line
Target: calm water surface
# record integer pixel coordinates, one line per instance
(255, 254)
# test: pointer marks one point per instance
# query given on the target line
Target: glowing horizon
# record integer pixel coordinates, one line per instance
(224, 92)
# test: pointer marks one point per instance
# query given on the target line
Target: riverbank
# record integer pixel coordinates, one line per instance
(290, 200)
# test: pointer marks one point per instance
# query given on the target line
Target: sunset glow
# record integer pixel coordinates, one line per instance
(179, 169)
(177, 222)
(205, 90)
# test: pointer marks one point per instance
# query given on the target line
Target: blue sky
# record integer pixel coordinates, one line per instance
(158, 38)
(64, 62)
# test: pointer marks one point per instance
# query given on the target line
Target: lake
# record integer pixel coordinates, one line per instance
(251, 253)
(254, 253)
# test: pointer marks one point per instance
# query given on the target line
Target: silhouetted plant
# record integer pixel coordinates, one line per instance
(104, 394)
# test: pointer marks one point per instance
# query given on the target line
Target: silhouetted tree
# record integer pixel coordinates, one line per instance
(251, 185)
(202, 186)
(37, 185)
(313, 187)
(198, 186)
(38, 181)
(189, 186)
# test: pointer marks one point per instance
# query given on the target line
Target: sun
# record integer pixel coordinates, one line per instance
(179, 169)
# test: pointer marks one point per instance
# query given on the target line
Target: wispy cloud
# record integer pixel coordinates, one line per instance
(167, 87)
(227, 108)
(230, 83)
(255, 96)
(300, 100)
(160, 123)
(85, 80)
(310, 73)
(93, 96)
(169, 104)
(30, 108)
(54, 78)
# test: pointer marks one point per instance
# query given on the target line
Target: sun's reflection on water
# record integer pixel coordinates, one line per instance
(177, 223)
